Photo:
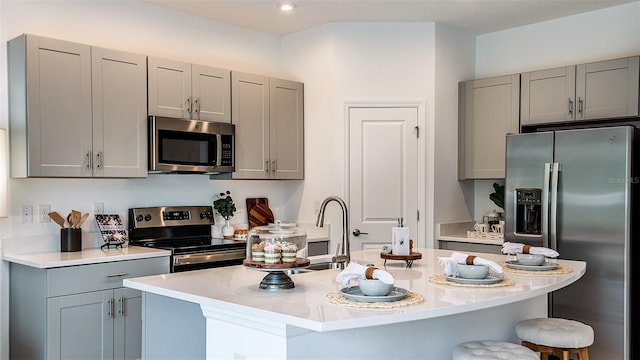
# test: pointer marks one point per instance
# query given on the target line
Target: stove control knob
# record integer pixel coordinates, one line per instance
(205, 215)
(147, 217)
(139, 218)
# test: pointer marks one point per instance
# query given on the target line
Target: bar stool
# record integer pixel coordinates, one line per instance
(560, 337)
(492, 350)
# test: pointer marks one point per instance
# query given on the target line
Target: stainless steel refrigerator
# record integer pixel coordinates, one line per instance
(573, 190)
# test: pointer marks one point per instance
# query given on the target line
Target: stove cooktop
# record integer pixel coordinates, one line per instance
(190, 246)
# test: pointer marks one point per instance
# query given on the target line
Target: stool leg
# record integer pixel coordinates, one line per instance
(583, 353)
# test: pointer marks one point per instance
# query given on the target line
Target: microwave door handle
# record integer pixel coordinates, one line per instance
(218, 150)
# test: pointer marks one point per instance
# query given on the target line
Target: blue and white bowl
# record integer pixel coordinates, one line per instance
(473, 271)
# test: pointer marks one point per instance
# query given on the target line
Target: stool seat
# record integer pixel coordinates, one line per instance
(554, 332)
(492, 350)
(560, 337)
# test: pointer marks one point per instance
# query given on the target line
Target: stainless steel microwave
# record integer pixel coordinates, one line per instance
(190, 146)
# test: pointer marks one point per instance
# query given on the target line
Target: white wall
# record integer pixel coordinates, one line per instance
(592, 36)
(455, 59)
(350, 63)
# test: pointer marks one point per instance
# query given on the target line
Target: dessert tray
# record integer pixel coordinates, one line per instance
(261, 265)
(408, 258)
(353, 293)
(491, 279)
(544, 267)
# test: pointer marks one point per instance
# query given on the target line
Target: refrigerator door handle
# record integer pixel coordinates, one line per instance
(554, 207)
(545, 205)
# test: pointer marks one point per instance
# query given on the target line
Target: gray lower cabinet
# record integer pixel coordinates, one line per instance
(488, 110)
(598, 90)
(78, 312)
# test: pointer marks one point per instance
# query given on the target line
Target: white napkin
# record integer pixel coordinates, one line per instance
(516, 248)
(449, 263)
(357, 271)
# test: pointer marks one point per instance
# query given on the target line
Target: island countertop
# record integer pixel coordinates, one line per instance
(235, 289)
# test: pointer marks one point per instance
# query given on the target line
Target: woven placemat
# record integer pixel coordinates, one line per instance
(338, 299)
(442, 280)
(560, 270)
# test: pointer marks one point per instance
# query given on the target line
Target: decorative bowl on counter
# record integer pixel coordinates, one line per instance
(276, 246)
(374, 287)
(472, 271)
(530, 259)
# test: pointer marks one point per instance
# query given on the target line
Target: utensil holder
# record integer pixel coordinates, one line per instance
(70, 240)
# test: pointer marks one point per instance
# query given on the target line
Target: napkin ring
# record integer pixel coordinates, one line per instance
(470, 259)
(525, 249)
(369, 272)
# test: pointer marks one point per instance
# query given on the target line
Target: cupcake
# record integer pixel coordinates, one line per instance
(257, 252)
(289, 251)
(272, 254)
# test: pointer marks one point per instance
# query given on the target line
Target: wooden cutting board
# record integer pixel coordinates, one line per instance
(260, 215)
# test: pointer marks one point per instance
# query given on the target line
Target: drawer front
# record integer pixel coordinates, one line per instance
(102, 276)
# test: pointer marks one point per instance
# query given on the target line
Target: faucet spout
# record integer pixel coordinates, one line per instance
(344, 256)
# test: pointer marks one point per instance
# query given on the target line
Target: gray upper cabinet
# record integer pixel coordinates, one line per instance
(187, 91)
(269, 119)
(75, 111)
(597, 90)
(488, 110)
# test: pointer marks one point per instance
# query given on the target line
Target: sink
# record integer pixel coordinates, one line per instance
(324, 266)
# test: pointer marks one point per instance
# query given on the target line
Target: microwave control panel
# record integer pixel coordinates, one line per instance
(227, 150)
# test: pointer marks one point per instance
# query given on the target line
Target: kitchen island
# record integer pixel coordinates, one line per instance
(243, 322)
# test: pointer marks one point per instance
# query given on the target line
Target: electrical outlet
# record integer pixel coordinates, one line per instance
(26, 214)
(98, 208)
(43, 213)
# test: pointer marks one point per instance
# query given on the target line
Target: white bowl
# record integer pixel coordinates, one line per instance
(473, 271)
(530, 259)
(374, 287)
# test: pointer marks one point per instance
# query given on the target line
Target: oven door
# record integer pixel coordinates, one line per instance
(190, 146)
(207, 260)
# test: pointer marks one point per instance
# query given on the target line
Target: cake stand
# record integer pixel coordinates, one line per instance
(277, 279)
(408, 258)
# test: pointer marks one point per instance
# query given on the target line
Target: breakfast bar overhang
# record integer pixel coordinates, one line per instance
(245, 322)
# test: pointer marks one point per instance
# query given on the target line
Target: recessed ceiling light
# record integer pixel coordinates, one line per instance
(287, 7)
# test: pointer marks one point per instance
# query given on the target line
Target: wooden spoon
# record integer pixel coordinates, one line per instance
(57, 218)
(82, 220)
(75, 218)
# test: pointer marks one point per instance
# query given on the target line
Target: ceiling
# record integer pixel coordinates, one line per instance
(473, 16)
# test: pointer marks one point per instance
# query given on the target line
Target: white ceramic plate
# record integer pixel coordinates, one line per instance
(491, 279)
(354, 293)
(544, 267)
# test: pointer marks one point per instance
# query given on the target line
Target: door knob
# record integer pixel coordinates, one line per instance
(357, 232)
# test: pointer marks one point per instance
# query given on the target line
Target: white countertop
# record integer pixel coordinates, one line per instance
(235, 289)
(55, 259)
(457, 231)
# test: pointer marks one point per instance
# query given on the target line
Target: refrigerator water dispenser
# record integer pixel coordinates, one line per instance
(529, 211)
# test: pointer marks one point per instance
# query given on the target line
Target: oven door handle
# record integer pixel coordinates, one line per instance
(214, 256)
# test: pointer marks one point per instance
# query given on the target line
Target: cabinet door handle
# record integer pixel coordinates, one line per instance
(116, 274)
(266, 166)
(570, 106)
(273, 166)
(189, 105)
(111, 310)
(121, 301)
(196, 106)
(88, 161)
(580, 106)
(98, 160)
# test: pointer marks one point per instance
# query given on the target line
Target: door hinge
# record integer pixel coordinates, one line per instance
(418, 215)
(416, 130)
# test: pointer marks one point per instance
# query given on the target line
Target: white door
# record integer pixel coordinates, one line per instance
(383, 173)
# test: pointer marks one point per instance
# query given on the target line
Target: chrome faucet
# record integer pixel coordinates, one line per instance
(345, 256)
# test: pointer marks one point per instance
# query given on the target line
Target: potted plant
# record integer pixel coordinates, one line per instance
(224, 206)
